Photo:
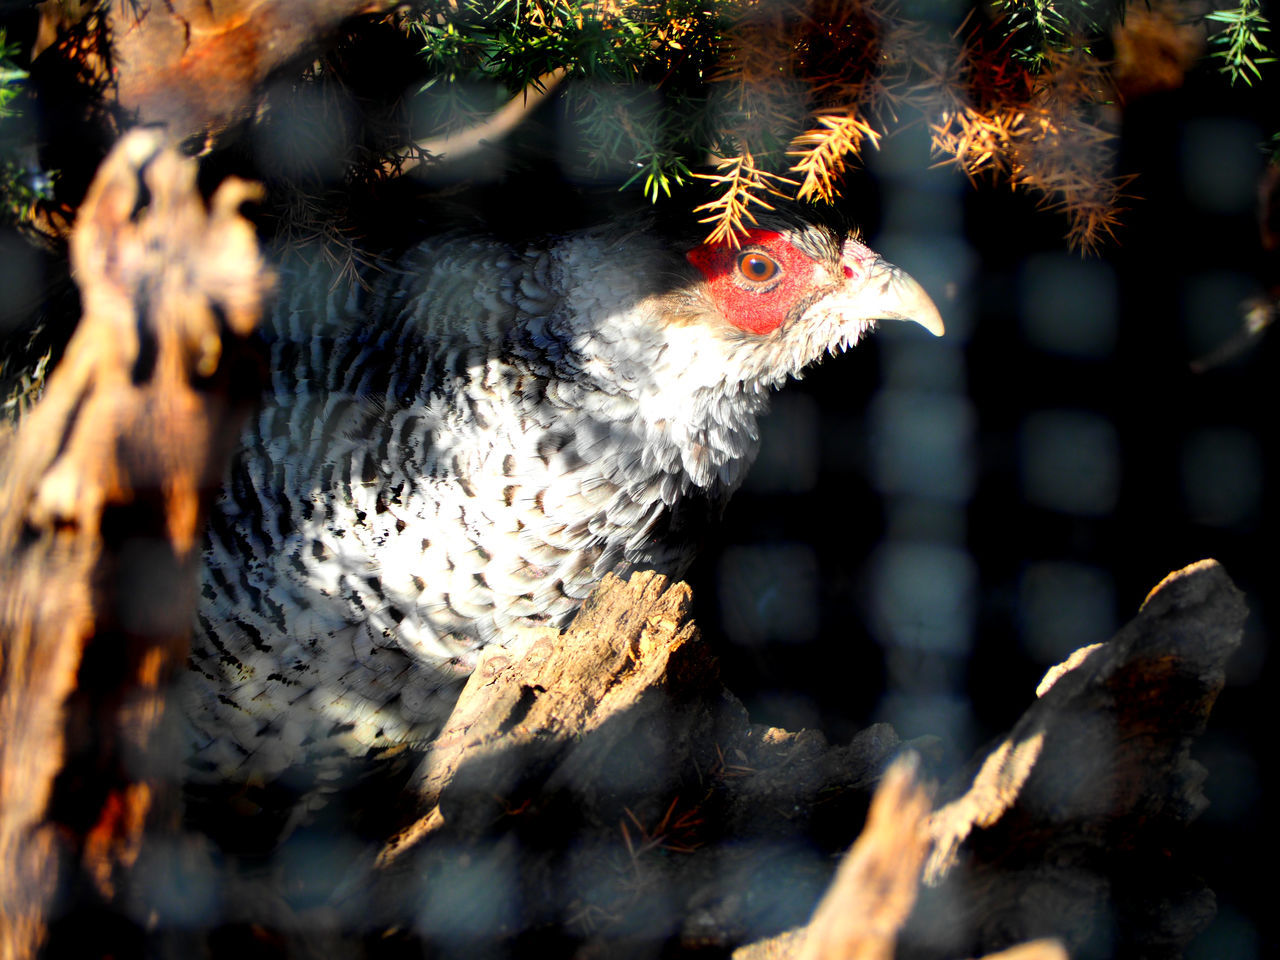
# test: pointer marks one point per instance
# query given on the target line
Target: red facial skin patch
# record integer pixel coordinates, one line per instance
(758, 307)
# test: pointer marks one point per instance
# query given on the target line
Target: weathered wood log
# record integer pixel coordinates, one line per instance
(604, 786)
(863, 911)
(599, 788)
(621, 670)
(1075, 816)
(1073, 820)
(104, 489)
(631, 678)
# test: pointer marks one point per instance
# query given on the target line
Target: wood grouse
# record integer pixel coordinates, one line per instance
(471, 444)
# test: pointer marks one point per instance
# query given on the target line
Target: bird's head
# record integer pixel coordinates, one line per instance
(745, 318)
(788, 293)
(701, 355)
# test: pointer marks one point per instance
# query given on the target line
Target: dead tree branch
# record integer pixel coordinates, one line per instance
(104, 492)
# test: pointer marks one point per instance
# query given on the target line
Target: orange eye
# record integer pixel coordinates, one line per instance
(757, 267)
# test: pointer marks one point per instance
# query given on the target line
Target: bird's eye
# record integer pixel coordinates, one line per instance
(757, 267)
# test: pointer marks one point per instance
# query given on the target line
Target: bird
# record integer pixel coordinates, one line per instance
(468, 446)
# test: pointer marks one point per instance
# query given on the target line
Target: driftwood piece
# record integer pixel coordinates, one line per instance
(627, 699)
(1073, 819)
(875, 888)
(863, 911)
(104, 489)
(1074, 815)
(616, 744)
(621, 671)
(604, 786)
(599, 789)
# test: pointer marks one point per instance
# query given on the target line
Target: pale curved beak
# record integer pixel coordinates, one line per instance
(893, 294)
(886, 291)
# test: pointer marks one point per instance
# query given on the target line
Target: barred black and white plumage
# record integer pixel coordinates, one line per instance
(469, 446)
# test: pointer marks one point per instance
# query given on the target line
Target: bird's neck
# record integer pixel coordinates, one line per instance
(666, 389)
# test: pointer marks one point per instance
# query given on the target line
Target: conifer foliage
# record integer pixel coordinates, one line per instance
(769, 97)
(760, 98)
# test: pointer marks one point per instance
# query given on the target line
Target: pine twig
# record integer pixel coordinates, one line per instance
(744, 182)
(823, 153)
(1242, 47)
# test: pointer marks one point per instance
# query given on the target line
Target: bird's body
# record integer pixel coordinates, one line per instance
(469, 446)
